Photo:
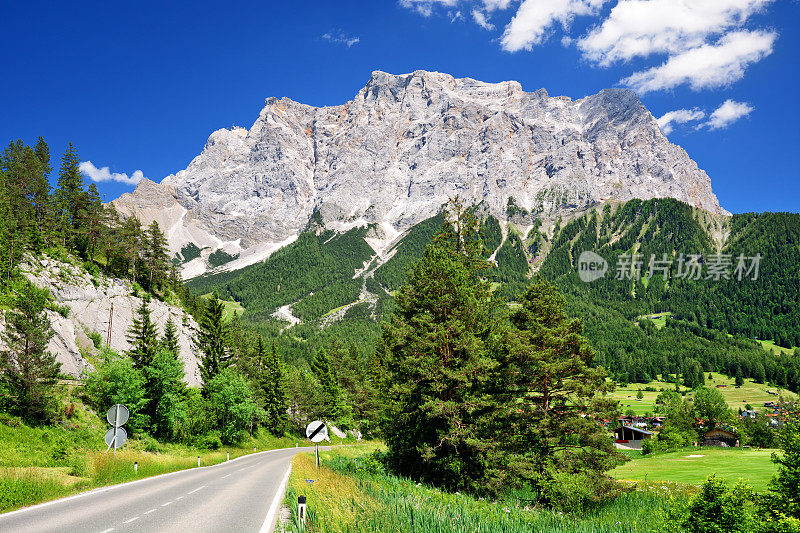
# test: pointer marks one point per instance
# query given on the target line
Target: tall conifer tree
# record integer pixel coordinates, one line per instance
(212, 340)
(142, 336)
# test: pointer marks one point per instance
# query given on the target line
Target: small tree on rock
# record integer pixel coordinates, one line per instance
(28, 372)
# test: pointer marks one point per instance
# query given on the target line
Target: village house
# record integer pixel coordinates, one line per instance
(630, 437)
(720, 437)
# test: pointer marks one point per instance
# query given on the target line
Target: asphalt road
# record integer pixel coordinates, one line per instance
(235, 496)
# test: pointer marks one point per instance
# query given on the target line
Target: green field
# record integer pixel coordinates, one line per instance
(659, 319)
(753, 393)
(754, 466)
(229, 307)
(769, 345)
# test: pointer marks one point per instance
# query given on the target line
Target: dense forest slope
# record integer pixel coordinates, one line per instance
(339, 288)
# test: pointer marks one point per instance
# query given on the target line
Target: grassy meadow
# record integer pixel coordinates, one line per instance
(684, 466)
(228, 307)
(751, 393)
(348, 494)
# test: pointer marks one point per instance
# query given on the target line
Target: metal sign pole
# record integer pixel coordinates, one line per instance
(316, 450)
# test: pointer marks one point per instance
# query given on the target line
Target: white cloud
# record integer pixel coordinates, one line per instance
(455, 16)
(491, 5)
(425, 7)
(728, 113)
(339, 37)
(99, 175)
(482, 20)
(678, 116)
(639, 28)
(706, 66)
(534, 19)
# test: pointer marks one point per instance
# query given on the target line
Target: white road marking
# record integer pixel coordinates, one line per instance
(226, 475)
(121, 486)
(195, 490)
(165, 504)
(131, 520)
(179, 498)
(107, 530)
(266, 527)
(150, 511)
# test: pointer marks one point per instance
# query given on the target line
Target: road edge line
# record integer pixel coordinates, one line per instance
(128, 483)
(271, 517)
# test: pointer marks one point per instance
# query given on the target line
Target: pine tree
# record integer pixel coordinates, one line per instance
(143, 337)
(131, 233)
(169, 341)
(69, 194)
(438, 361)
(19, 168)
(40, 194)
(279, 404)
(165, 390)
(267, 375)
(212, 340)
(155, 253)
(28, 373)
(551, 399)
(93, 218)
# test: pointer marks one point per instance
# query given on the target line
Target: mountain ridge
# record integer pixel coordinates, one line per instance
(398, 150)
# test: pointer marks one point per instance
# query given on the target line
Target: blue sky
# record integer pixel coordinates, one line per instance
(140, 87)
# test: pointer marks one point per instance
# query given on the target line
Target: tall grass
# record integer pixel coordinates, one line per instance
(343, 500)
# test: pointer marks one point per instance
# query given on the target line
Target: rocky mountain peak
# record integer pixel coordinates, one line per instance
(395, 153)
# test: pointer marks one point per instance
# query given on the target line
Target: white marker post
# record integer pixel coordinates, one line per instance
(301, 510)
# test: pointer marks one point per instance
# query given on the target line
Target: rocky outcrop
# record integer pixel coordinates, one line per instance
(86, 300)
(405, 144)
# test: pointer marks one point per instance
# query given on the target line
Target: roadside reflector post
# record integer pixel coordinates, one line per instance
(301, 510)
(198, 460)
(136, 467)
(228, 457)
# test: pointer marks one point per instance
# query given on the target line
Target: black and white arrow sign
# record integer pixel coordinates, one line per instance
(316, 431)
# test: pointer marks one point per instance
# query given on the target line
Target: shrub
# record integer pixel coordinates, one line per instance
(715, 509)
(579, 492)
(97, 339)
(148, 443)
(10, 421)
(209, 441)
(648, 447)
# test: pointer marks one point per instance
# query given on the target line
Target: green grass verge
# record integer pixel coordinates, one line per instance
(754, 466)
(342, 498)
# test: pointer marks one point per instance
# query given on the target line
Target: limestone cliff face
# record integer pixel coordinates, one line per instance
(396, 152)
(88, 300)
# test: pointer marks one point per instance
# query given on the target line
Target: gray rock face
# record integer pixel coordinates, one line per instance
(405, 144)
(89, 303)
